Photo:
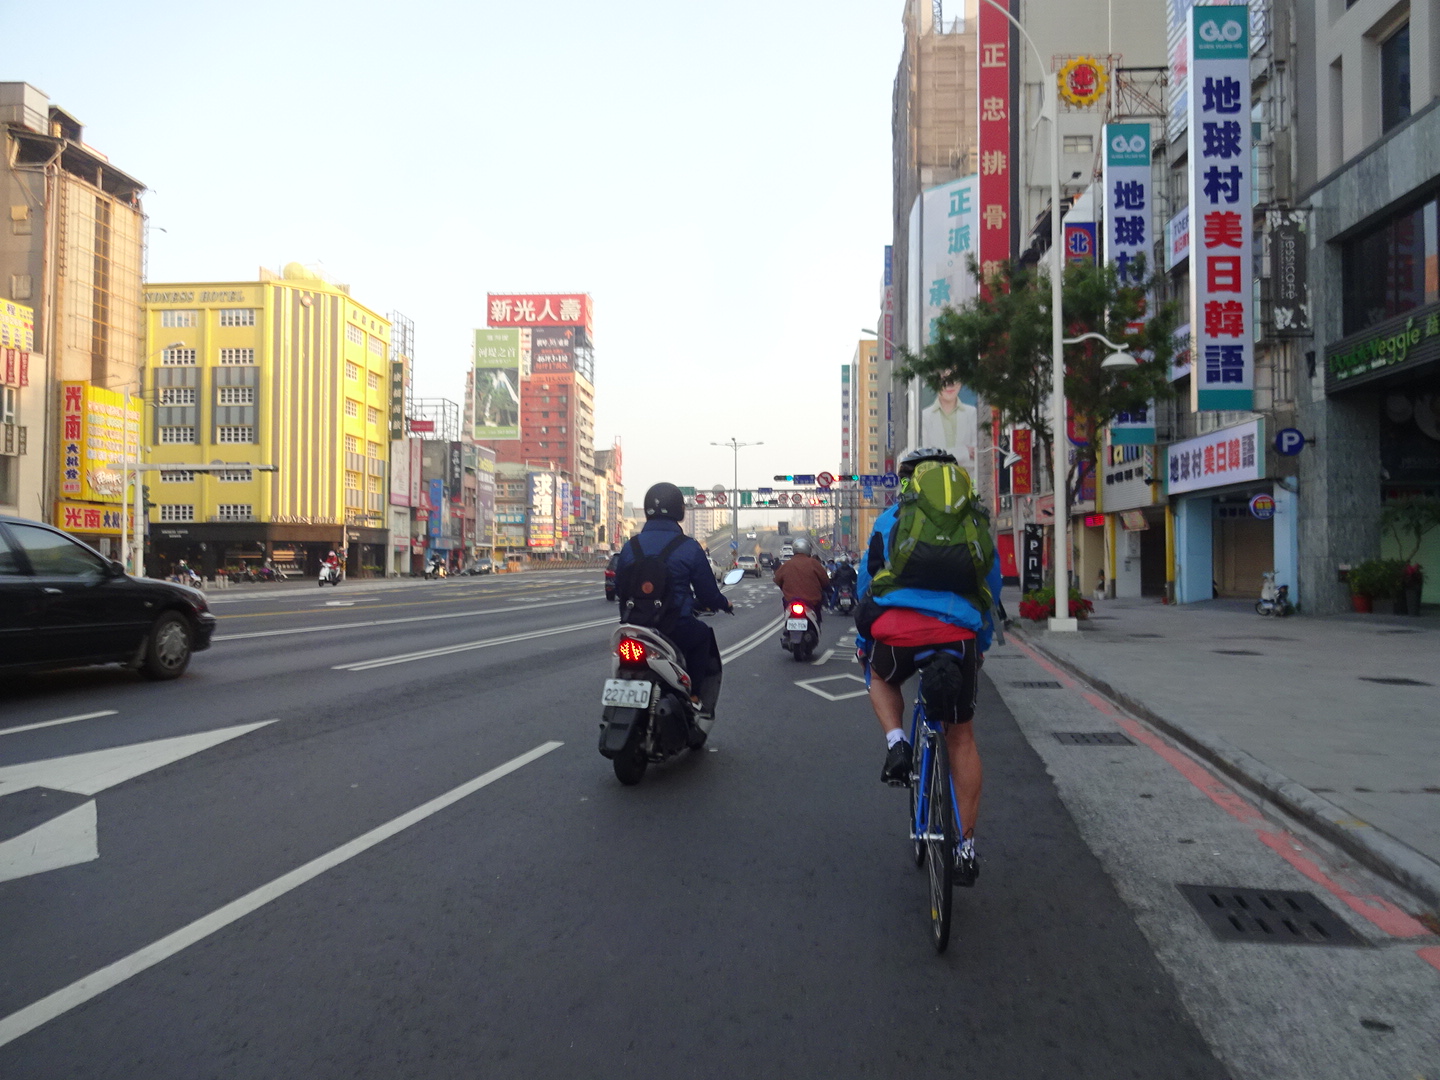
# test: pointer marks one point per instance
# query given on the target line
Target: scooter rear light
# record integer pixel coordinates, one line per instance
(631, 651)
(797, 609)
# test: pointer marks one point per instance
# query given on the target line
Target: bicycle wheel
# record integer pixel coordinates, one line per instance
(917, 823)
(940, 839)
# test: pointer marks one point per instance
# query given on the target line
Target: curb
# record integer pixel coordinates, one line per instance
(1374, 848)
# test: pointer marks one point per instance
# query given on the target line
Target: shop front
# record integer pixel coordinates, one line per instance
(1134, 521)
(365, 551)
(211, 548)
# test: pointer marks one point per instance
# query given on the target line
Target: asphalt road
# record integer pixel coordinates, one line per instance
(262, 906)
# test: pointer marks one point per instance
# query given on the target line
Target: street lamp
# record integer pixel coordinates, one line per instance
(1010, 460)
(735, 447)
(1119, 358)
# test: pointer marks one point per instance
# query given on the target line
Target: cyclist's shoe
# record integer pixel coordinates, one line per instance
(897, 765)
(967, 864)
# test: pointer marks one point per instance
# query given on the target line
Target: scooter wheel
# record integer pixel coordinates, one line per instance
(630, 766)
(1260, 608)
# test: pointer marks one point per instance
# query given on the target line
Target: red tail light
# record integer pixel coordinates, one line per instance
(797, 609)
(631, 651)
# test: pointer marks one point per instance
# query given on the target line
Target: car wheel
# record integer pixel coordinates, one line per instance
(167, 649)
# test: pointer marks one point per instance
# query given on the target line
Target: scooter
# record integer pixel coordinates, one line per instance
(845, 600)
(1274, 599)
(331, 575)
(434, 571)
(652, 712)
(802, 630)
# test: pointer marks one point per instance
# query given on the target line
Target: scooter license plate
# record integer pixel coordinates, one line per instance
(627, 693)
(797, 624)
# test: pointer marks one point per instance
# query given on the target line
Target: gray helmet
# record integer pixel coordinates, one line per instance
(924, 453)
(802, 546)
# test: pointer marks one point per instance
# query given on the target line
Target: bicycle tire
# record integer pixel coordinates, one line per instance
(917, 778)
(940, 840)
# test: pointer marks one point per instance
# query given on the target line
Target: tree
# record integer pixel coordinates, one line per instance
(999, 346)
(1409, 521)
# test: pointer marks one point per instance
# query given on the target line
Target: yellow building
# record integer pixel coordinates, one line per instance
(869, 424)
(288, 371)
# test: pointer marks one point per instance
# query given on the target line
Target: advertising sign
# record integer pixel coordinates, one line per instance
(1220, 166)
(1262, 506)
(1129, 239)
(1177, 239)
(17, 327)
(1400, 344)
(1289, 272)
(437, 500)
(887, 324)
(1022, 476)
(73, 517)
(1032, 559)
(417, 468)
(993, 98)
(1125, 470)
(400, 473)
(1080, 243)
(542, 512)
(455, 471)
(95, 431)
(552, 350)
(538, 309)
(422, 427)
(1228, 456)
(397, 399)
(496, 407)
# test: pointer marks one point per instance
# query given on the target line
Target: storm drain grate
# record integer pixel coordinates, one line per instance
(1271, 916)
(1237, 652)
(1092, 738)
(1394, 680)
(1041, 684)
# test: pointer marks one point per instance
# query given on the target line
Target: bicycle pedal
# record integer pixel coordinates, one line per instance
(898, 783)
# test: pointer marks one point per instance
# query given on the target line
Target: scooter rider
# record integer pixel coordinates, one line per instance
(803, 576)
(691, 580)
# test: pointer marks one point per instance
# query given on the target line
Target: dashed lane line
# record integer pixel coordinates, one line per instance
(451, 650)
(62, 720)
(390, 622)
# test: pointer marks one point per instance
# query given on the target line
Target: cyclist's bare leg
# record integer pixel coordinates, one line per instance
(888, 703)
(965, 771)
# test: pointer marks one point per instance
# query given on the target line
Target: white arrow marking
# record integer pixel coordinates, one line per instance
(61, 841)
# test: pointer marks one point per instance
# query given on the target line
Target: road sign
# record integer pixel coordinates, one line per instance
(890, 480)
(718, 488)
(1289, 442)
(733, 545)
(746, 498)
(700, 498)
(824, 479)
(868, 491)
(721, 498)
(688, 492)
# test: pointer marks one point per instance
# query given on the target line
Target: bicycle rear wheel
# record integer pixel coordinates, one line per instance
(917, 805)
(940, 840)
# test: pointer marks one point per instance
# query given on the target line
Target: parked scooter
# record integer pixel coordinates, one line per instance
(434, 571)
(651, 710)
(1274, 599)
(802, 630)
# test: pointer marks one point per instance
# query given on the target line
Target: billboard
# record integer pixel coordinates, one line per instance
(538, 309)
(552, 350)
(400, 473)
(397, 399)
(496, 405)
(542, 511)
(455, 471)
(993, 130)
(95, 431)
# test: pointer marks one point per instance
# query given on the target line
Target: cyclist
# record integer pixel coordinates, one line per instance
(910, 623)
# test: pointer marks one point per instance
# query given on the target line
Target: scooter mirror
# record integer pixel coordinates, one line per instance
(733, 577)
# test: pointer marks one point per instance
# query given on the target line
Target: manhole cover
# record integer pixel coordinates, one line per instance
(1237, 652)
(1092, 738)
(1271, 916)
(1042, 684)
(1394, 680)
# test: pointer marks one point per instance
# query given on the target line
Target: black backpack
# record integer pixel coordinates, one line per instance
(644, 587)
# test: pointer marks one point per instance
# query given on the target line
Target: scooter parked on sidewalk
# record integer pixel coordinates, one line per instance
(1274, 599)
(802, 630)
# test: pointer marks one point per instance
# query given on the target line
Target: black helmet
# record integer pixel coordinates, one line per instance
(924, 453)
(664, 501)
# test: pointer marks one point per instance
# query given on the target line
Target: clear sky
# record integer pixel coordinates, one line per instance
(716, 176)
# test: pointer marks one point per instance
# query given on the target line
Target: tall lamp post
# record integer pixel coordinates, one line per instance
(735, 447)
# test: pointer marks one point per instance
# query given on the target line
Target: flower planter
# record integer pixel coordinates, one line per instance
(1412, 599)
(1361, 603)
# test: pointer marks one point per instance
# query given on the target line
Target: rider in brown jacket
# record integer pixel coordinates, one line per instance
(803, 577)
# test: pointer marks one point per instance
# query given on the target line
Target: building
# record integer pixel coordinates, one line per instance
(70, 267)
(865, 404)
(288, 371)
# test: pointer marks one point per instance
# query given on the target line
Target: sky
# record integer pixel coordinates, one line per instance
(716, 176)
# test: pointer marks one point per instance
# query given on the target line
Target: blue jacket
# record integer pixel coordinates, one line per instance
(947, 606)
(688, 566)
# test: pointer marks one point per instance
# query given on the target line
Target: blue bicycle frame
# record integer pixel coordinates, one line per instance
(922, 729)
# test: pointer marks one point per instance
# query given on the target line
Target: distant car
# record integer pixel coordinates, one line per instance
(479, 566)
(766, 560)
(610, 565)
(751, 536)
(63, 604)
(786, 550)
(749, 564)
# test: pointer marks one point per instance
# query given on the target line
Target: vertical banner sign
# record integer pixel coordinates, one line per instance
(1129, 239)
(949, 418)
(496, 408)
(455, 472)
(1080, 243)
(1032, 559)
(845, 417)
(994, 140)
(1220, 212)
(397, 399)
(887, 323)
(1022, 477)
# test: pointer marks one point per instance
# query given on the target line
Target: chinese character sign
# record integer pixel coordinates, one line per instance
(1129, 237)
(504, 309)
(496, 408)
(95, 430)
(1229, 456)
(993, 43)
(544, 492)
(1220, 212)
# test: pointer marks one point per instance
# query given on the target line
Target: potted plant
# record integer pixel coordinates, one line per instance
(1370, 580)
(1039, 605)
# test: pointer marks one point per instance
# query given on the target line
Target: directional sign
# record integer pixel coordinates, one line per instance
(746, 498)
(868, 491)
(825, 479)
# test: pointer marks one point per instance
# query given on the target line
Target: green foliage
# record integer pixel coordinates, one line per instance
(1408, 521)
(1378, 577)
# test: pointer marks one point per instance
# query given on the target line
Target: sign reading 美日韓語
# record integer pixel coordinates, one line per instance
(1221, 225)
(993, 41)
(1129, 240)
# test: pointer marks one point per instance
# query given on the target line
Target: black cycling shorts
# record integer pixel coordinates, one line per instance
(896, 663)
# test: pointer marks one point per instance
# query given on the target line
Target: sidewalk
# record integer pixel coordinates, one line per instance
(1284, 706)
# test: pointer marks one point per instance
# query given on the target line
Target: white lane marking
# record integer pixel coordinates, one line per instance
(62, 720)
(62, 841)
(450, 650)
(810, 684)
(339, 603)
(388, 622)
(96, 770)
(97, 982)
(823, 657)
(743, 646)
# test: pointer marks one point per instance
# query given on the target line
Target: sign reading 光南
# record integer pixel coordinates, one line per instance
(1220, 211)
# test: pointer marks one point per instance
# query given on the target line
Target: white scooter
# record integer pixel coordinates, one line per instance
(802, 630)
(652, 711)
(331, 575)
(1274, 599)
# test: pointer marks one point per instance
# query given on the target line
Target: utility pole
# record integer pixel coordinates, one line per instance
(735, 447)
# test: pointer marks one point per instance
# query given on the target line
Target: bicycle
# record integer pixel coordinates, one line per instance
(935, 825)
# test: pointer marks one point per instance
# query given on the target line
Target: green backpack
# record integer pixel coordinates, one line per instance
(941, 540)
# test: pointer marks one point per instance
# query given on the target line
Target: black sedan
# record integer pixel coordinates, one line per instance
(63, 604)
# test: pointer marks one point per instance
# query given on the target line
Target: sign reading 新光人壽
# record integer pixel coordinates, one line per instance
(1397, 345)
(1129, 239)
(538, 309)
(1232, 455)
(1220, 211)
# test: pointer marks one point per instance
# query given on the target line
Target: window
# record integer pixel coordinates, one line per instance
(352, 407)
(235, 395)
(352, 444)
(377, 346)
(9, 564)
(374, 484)
(352, 481)
(234, 476)
(179, 434)
(1395, 78)
(237, 317)
(235, 433)
(1384, 268)
(53, 554)
(373, 449)
(372, 415)
(372, 380)
(237, 356)
(176, 512)
(177, 319)
(874, 447)
(354, 335)
(1079, 144)
(234, 512)
(176, 476)
(352, 370)
(178, 357)
(177, 395)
